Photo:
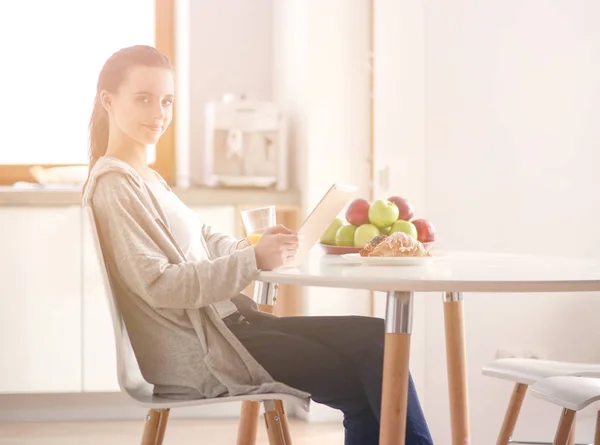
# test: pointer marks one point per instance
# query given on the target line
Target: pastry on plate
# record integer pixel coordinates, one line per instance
(370, 246)
(399, 244)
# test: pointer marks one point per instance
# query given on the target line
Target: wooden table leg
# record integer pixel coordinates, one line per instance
(457, 368)
(398, 318)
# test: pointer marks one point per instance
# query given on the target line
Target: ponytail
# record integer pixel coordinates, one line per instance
(98, 128)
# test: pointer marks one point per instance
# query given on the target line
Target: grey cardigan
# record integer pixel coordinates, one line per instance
(181, 344)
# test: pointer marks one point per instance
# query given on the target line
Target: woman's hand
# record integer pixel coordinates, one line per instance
(276, 247)
(279, 228)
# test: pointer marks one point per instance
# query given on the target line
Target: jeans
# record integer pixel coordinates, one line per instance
(338, 360)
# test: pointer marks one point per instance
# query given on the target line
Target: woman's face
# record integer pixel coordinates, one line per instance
(142, 107)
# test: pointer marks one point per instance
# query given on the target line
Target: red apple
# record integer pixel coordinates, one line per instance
(405, 207)
(358, 212)
(425, 230)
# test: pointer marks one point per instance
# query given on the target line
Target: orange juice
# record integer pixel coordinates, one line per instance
(253, 238)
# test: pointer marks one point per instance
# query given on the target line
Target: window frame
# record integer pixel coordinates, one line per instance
(164, 24)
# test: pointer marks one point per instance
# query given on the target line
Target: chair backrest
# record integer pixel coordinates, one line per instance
(129, 375)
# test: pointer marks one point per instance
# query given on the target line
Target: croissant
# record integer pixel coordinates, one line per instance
(370, 246)
(399, 244)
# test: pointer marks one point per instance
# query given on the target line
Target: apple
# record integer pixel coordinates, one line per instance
(425, 230)
(383, 213)
(345, 235)
(329, 236)
(405, 208)
(386, 230)
(364, 234)
(406, 227)
(358, 212)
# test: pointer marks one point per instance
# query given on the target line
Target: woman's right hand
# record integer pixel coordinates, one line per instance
(275, 250)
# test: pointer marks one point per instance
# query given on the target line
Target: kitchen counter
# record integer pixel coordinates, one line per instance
(10, 196)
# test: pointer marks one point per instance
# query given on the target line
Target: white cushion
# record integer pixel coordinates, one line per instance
(529, 371)
(574, 393)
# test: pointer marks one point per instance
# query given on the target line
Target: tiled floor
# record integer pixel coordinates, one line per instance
(179, 432)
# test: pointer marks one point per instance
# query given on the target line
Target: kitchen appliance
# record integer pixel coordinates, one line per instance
(245, 144)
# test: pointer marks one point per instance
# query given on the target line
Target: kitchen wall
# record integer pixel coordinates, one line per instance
(505, 95)
(511, 100)
(230, 50)
(321, 80)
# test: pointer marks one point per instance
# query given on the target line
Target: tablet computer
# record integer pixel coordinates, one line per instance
(319, 219)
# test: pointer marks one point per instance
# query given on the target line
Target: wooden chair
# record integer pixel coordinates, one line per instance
(132, 383)
(572, 394)
(525, 372)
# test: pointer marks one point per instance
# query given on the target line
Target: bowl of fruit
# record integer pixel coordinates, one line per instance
(365, 220)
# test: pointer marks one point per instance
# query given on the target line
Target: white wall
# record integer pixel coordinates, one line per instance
(230, 51)
(321, 80)
(399, 135)
(511, 164)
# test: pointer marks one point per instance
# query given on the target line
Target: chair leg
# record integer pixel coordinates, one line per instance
(274, 424)
(571, 440)
(565, 425)
(512, 414)
(155, 427)
(597, 435)
(284, 421)
(248, 425)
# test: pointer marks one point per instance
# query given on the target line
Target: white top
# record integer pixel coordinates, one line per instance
(449, 272)
(186, 228)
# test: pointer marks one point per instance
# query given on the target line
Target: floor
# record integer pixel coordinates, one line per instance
(179, 431)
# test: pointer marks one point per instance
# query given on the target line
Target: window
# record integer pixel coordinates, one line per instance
(53, 52)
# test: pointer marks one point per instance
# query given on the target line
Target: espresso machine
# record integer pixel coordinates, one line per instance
(245, 144)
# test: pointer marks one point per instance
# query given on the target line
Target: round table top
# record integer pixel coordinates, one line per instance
(448, 272)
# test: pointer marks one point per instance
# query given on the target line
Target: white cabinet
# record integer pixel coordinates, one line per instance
(99, 351)
(40, 299)
(56, 334)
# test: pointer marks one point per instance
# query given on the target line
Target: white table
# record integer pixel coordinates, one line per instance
(452, 274)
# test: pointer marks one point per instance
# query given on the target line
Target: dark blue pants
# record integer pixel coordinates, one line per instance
(338, 360)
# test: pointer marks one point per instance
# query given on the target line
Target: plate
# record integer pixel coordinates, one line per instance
(338, 250)
(355, 258)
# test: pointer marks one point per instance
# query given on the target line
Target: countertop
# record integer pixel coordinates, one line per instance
(10, 196)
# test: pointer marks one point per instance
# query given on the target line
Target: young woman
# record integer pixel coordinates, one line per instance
(178, 282)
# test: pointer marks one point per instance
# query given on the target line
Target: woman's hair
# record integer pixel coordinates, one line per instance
(111, 76)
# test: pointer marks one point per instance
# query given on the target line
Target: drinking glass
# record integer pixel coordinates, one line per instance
(256, 221)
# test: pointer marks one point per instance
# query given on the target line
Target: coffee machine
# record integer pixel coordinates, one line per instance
(245, 144)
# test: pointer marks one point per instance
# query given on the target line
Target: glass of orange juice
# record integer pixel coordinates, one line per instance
(257, 220)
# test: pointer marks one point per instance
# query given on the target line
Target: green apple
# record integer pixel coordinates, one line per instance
(329, 236)
(406, 227)
(386, 230)
(345, 236)
(383, 213)
(365, 233)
